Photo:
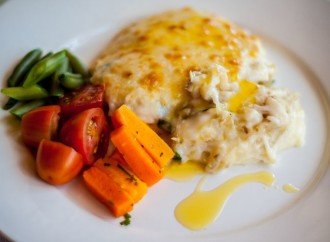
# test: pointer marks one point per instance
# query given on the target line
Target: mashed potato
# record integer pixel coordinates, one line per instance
(210, 80)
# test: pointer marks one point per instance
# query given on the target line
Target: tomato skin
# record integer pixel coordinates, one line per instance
(104, 139)
(89, 96)
(40, 123)
(84, 133)
(57, 163)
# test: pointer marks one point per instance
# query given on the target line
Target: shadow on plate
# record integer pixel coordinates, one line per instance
(77, 192)
(26, 161)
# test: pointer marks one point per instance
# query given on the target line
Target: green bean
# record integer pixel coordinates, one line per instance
(29, 60)
(20, 110)
(44, 68)
(10, 103)
(56, 90)
(20, 70)
(47, 55)
(63, 68)
(76, 64)
(71, 81)
(25, 93)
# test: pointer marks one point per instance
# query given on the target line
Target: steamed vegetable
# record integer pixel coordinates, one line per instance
(76, 64)
(128, 182)
(44, 68)
(138, 160)
(20, 71)
(10, 103)
(25, 93)
(45, 56)
(20, 110)
(71, 81)
(56, 89)
(159, 151)
(117, 157)
(108, 191)
(23, 67)
(51, 76)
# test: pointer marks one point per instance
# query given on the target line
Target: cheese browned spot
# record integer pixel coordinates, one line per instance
(148, 64)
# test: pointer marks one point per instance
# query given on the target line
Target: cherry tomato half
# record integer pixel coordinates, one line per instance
(84, 132)
(57, 163)
(89, 96)
(40, 123)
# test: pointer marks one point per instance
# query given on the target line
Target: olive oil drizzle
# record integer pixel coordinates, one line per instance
(203, 207)
(184, 171)
(289, 188)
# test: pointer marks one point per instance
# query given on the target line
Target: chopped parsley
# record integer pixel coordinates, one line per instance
(177, 157)
(130, 177)
(127, 220)
(267, 83)
(165, 125)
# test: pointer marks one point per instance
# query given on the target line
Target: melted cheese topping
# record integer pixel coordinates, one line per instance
(148, 64)
(210, 79)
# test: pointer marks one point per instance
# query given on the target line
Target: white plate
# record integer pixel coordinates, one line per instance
(297, 37)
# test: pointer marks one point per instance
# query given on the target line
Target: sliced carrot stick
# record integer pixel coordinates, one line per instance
(128, 182)
(108, 192)
(140, 163)
(117, 157)
(152, 143)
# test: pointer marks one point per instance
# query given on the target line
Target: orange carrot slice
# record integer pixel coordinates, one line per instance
(108, 192)
(128, 182)
(138, 160)
(152, 143)
(118, 158)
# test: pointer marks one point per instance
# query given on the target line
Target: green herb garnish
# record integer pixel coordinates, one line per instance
(177, 157)
(267, 83)
(127, 220)
(165, 125)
